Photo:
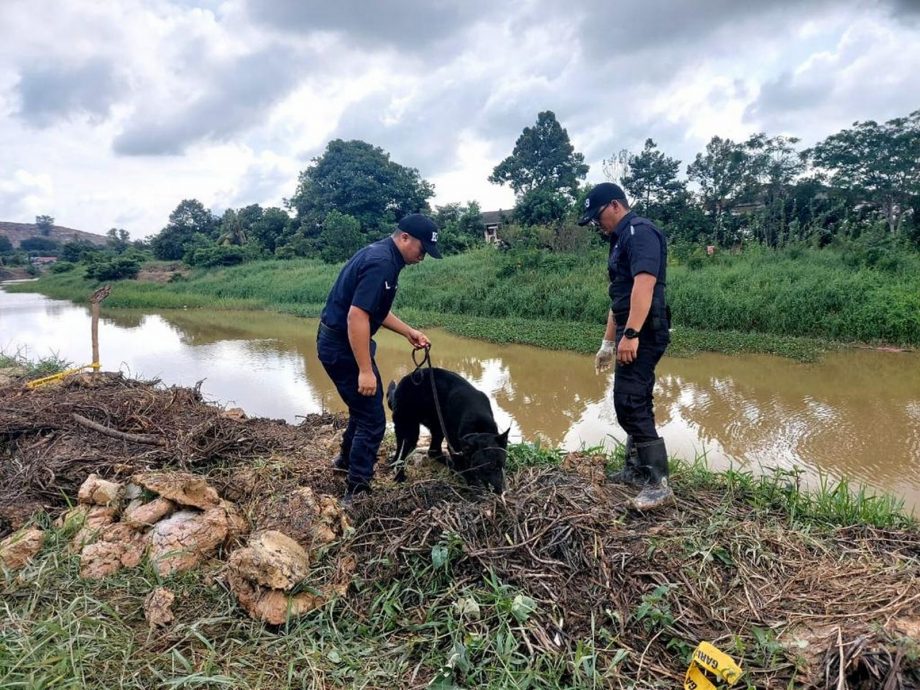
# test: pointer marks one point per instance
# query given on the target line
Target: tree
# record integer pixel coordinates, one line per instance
(189, 218)
(270, 227)
(723, 174)
(6, 246)
(541, 206)
(117, 240)
(881, 162)
(340, 238)
(231, 230)
(359, 180)
(543, 158)
(38, 244)
(460, 227)
(651, 178)
(45, 224)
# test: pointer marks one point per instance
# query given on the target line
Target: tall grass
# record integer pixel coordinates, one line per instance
(794, 293)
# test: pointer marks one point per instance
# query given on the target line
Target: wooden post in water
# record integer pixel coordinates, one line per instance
(95, 300)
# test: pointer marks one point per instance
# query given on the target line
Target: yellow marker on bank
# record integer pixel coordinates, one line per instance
(707, 659)
(62, 375)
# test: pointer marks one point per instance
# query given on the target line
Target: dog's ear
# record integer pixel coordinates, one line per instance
(391, 395)
(503, 438)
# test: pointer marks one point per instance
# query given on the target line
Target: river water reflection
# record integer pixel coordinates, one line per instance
(855, 414)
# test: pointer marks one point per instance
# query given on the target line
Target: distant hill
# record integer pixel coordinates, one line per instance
(17, 232)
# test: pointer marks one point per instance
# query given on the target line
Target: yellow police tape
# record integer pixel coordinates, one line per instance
(62, 375)
(706, 658)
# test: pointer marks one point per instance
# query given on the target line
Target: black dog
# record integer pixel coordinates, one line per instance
(470, 427)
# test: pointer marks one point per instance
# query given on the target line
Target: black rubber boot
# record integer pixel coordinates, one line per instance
(631, 473)
(340, 462)
(354, 490)
(653, 459)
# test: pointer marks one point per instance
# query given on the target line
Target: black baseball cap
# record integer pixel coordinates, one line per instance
(423, 228)
(600, 196)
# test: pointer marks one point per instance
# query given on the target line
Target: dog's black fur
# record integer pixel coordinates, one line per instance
(471, 429)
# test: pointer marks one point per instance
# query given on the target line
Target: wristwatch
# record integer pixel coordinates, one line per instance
(630, 333)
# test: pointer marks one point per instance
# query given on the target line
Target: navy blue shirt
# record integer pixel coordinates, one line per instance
(636, 246)
(368, 281)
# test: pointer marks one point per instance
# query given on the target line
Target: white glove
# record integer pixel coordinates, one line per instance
(603, 360)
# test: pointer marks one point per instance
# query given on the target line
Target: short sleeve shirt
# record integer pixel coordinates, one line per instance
(368, 281)
(636, 246)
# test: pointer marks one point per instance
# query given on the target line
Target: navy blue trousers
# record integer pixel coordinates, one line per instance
(366, 419)
(633, 383)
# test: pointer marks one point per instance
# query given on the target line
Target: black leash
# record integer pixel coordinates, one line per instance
(426, 359)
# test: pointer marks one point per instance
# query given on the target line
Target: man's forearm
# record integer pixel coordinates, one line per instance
(397, 325)
(611, 331)
(359, 337)
(640, 301)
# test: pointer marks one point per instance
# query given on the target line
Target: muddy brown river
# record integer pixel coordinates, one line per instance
(855, 414)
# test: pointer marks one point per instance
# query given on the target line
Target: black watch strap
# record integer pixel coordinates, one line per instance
(630, 333)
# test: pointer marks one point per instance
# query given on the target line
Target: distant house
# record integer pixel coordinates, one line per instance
(43, 260)
(493, 220)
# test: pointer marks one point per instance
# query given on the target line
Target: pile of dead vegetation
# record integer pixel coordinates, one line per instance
(52, 438)
(814, 607)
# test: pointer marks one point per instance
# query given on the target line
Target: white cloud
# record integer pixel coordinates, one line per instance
(148, 102)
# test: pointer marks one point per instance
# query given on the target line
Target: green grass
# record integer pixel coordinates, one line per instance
(33, 368)
(795, 303)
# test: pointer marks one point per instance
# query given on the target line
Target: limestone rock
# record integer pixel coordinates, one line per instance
(235, 413)
(184, 539)
(97, 491)
(180, 487)
(309, 518)
(271, 559)
(272, 606)
(118, 546)
(97, 517)
(72, 518)
(18, 549)
(158, 607)
(147, 514)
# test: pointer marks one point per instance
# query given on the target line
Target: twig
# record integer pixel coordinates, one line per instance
(115, 433)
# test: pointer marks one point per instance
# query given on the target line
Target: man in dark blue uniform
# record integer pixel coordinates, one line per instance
(358, 305)
(638, 330)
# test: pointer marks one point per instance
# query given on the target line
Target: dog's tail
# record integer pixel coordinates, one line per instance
(391, 395)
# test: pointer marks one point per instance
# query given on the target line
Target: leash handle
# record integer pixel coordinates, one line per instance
(426, 358)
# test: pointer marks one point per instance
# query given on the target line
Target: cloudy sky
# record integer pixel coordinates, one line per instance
(113, 111)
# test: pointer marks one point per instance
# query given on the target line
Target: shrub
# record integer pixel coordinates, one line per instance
(117, 268)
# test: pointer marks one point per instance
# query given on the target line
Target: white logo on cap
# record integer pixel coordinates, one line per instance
(587, 203)
(434, 237)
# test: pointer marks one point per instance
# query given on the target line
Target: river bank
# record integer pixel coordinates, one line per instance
(557, 584)
(302, 293)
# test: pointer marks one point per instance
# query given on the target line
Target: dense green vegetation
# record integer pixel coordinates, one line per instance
(760, 300)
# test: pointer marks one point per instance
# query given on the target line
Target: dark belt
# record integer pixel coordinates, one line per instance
(331, 332)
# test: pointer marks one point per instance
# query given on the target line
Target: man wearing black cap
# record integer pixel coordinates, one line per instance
(638, 329)
(357, 306)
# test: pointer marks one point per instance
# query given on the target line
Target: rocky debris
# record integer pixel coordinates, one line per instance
(118, 546)
(18, 549)
(271, 559)
(263, 574)
(133, 492)
(94, 520)
(273, 606)
(158, 607)
(185, 539)
(235, 413)
(147, 514)
(312, 519)
(100, 492)
(182, 488)
(591, 467)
